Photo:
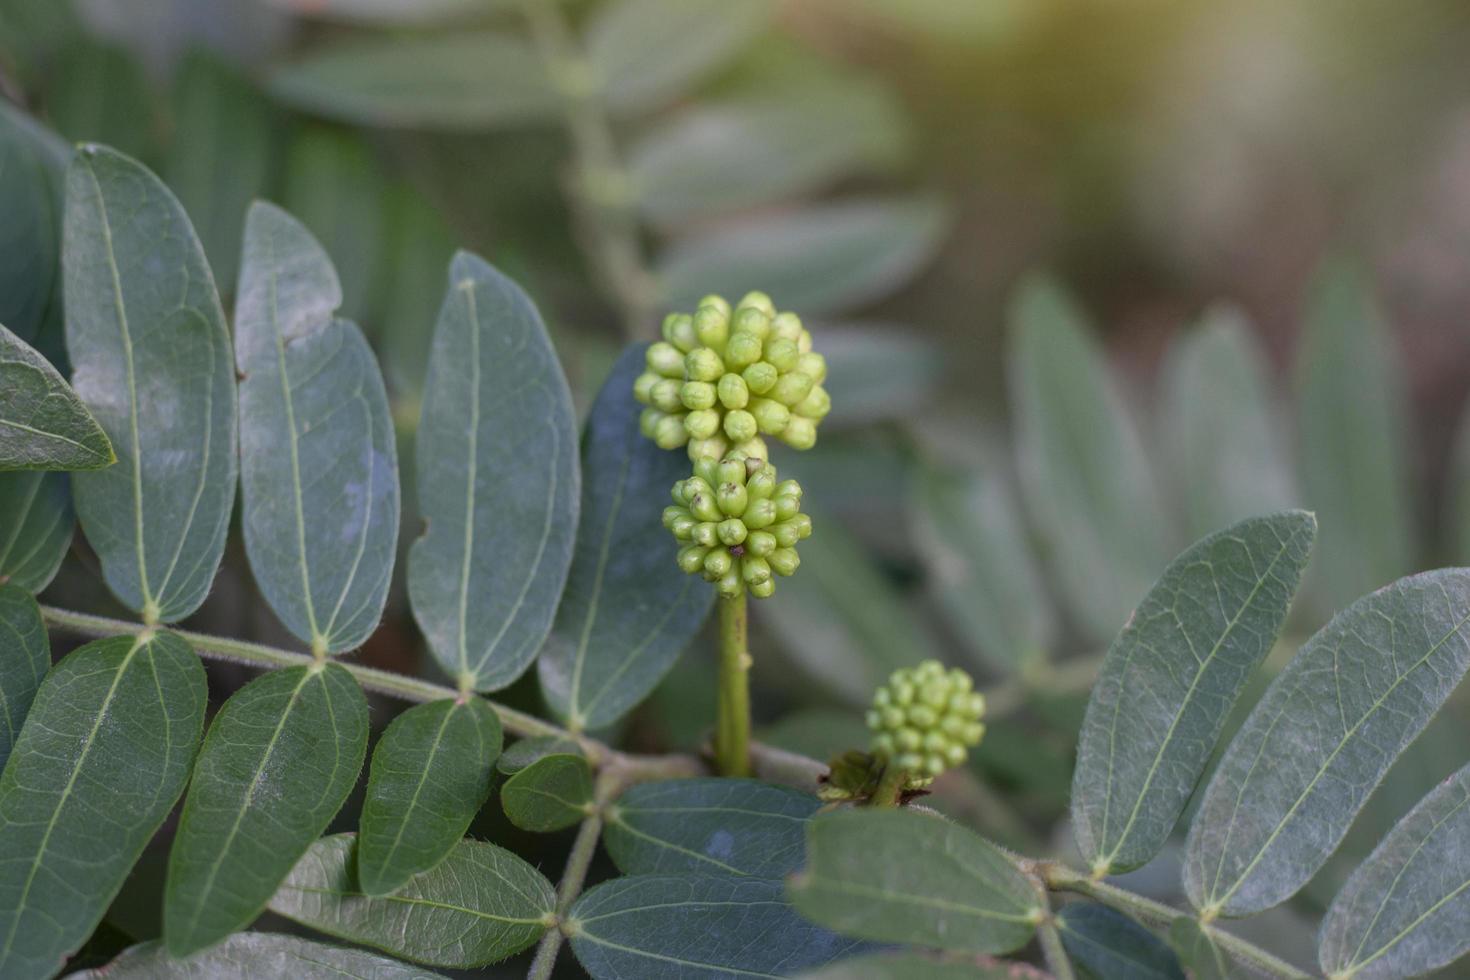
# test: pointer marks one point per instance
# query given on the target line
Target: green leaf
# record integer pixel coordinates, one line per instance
(481, 904)
(32, 177)
(906, 877)
(1328, 728)
(247, 955)
(420, 245)
(43, 425)
(102, 758)
(36, 523)
(460, 80)
(1107, 945)
(1083, 469)
(920, 966)
(1170, 679)
(671, 927)
(819, 259)
(318, 459)
(221, 156)
(628, 611)
(99, 93)
(878, 373)
(1403, 912)
(709, 826)
(25, 656)
(391, 13)
(1352, 437)
(431, 773)
(528, 750)
(1225, 441)
(1198, 953)
(152, 361)
(647, 53)
(552, 793)
(278, 762)
(498, 481)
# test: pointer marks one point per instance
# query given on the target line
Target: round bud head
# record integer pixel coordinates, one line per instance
(697, 394)
(712, 326)
(733, 391)
(665, 360)
(803, 524)
(752, 322)
(800, 433)
(683, 528)
(669, 433)
(740, 425)
(788, 488)
(927, 721)
(760, 377)
(702, 424)
(704, 364)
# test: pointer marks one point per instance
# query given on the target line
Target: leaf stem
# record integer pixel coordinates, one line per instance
(609, 785)
(1052, 950)
(732, 721)
(890, 786)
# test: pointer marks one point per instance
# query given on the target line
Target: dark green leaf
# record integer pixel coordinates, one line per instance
(552, 793)
(43, 425)
(1086, 479)
(1169, 680)
(1107, 945)
(709, 826)
(430, 775)
(460, 80)
(1320, 740)
(628, 611)
(528, 750)
(907, 877)
(99, 93)
(1199, 954)
(481, 904)
(318, 459)
(152, 361)
(250, 955)
(36, 523)
(1403, 912)
(103, 755)
(279, 760)
(649, 52)
(821, 259)
(25, 656)
(32, 178)
(713, 927)
(498, 481)
(920, 966)
(1352, 437)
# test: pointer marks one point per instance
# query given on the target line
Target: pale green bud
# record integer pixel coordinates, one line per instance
(784, 561)
(771, 417)
(754, 569)
(759, 514)
(743, 350)
(703, 506)
(702, 424)
(665, 359)
(813, 365)
(740, 425)
(791, 387)
(669, 433)
(763, 589)
(761, 544)
(691, 559)
(697, 394)
(648, 420)
(704, 364)
(732, 500)
(787, 326)
(786, 507)
(733, 391)
(665, 395)
(718, 562)
(755, 299)
(781, 353)
(708, 470)
(712, 326)
(712, 448)
(760, 377)
(643, 387)
(717, 301)
(705, 533)
(816, 405)
(730, 585)
(731, 532)
(731, 470)
(800, 433)
(762, 484)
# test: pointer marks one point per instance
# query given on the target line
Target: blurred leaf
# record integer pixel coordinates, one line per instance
(43, 425)
(498, 481)
(431, 773)
(278, 762)
(462, 80)
(896, 875)
(100, 94)
(819, 259)
(1169, 680)
(111, 734)
(709, 826)
(1107, 945)
(1355, 695)
(1226, 443)
(152, 360)
(955, 23)
(877, 373)
(919, 966)
(220, 156)
(32, 178)
(319, 485)
(1198, 953)
(1457, 518)
(36, 523)
(25, 656)
(1086, 478)
(646, 53)
(819, 733)
(670, 927)
(390, 13)
(481, 904)
(1352, 437)
(419, 247)
(248, 955)
(528, 750)
(628, 611)
(552, 793)
(1403, 911)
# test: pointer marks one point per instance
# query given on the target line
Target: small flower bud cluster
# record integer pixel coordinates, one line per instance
(925, 719)
(740, 525)
(722, 378)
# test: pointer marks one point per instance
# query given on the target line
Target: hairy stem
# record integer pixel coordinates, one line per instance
(732, 722)
(1052, 950)
(574, 876)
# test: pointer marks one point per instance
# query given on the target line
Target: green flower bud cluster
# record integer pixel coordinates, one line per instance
(925, 719)
(721, 379)
(740, 525)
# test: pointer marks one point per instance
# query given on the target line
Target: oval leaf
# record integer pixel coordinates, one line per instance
(430, 775)
(1108, 945)
(906, 877)
(33, 165)
(1321, 739)
(43, 425)
(669, 927)
(709, 826)
(481, 904)
(498, 481)
(528, 750)
(103, 756)
(1169, 680)
(551, 793)
(152, 361)
(249, 955)
(36, 523)
(278, 762)
(25, 656)
(1403, 912)
(628, 611)
(318, 458)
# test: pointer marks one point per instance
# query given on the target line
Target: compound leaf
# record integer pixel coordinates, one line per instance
(552, 793)
(36, 524)
(25, 656)
(1107, 945)
(249, 955)
(43, 425)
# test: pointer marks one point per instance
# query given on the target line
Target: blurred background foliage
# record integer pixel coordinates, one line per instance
(1254, 217)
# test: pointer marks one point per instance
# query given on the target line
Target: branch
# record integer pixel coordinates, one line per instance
(609, 786)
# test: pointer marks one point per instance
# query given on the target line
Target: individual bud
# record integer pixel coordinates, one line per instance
(672, 514)
(743, 350)
(740, 425)
(730, 585)
(759, 514)
(705, 533)
(732, 499)
(754, 569)
(771, 417)
(697, 394)
(933, 764)
(908, 739)
(762, 484)
(694, 486)
(955, 755)
(718, 562)
(733, 391)
(791, 388)
(665, 395)
(787, 326)
(702, 424)
(755, 463)
(731, 470)
(703, 506)
(643, 386)
(763, 589)
(760, 377)
(761, 544)
(923, 716)
(751, 322)
(669, 433)
(781, 353)
(704, 364)
(933, 741)
(665, 359)
(813, 365)
(648, 420)
(757, 300)
(786, 507)
(691, 559)
(732, 532)
(708, 470)
(815, 405)
(712, 448)
(683, 528)
(787, 534)
(788, 488)
(712, 326)
(755, 447)
(784, 561)
(800, 433)
(717, 301)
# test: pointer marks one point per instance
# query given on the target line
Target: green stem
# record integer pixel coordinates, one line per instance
(732, 721)
(1053, 951)
(573, 877)
(890, 786)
